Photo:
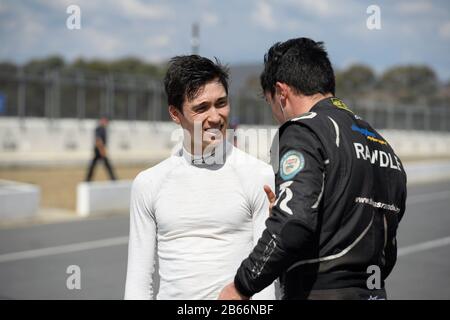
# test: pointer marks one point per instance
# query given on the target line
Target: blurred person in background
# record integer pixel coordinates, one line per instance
(201, 211)
(100, 151)
(340, 189)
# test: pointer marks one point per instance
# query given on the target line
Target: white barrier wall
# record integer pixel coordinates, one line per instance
(41, 142)
(103, 197)
(427, 171)
(18, 200)
(70, 142)
(34, 135)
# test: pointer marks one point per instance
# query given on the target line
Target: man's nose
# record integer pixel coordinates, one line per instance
(214, 115)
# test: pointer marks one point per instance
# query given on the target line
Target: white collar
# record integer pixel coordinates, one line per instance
(216, 156)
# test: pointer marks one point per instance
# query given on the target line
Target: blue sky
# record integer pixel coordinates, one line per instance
(235, 31)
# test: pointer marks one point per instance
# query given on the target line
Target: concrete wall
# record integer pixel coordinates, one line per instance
(70, 142)
(18, 200)
(103, 197)
(72, 135)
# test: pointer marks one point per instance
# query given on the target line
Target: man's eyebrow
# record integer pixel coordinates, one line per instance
(201, 104)
(222, 98)
(206, 103)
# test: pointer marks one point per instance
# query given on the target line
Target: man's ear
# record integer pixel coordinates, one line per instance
(282, 89)
(175, 114)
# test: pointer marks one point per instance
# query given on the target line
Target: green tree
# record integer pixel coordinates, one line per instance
(8, 87)
(95, 65)
(7, 67)
(410, 84)
(355, 81)
(41, 65)
(129, 65)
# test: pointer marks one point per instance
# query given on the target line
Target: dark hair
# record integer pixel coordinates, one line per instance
(302, 64)
(187, 74)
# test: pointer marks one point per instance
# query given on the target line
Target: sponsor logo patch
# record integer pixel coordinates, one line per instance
(340, 104)
(291, 163)
(368, 134)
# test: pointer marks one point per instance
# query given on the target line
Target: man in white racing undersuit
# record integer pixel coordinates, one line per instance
(201, 211)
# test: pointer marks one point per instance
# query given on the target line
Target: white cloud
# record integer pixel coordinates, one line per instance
(57, 4)
(61, 5)
(136, 8)
(24, 25)
(3, 7)
(414, 7)
(323, 8)
(327, 8)
(404, 29)
(159, 41)
(105, 42)
(156, 57)
(292, 25)
(444, 30)
(263, 17)
(115, 28)
(210, 19)
(130, 8)
(349, 61)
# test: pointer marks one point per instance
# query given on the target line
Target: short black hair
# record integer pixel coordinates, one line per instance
(301, 63)
(187, 74)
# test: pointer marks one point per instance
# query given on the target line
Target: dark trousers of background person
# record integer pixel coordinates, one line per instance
(108, 166)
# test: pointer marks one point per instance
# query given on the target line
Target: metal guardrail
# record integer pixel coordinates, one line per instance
(81, 95)
(75, 94)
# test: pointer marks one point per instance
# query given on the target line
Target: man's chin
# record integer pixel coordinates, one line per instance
(211, 143)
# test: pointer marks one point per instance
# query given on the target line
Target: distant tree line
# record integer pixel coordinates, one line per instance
(128, 75)
(406, 85)
(128, 65)
(416, 85)
(399, 85)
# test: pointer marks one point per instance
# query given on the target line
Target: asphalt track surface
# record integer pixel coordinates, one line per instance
(34, 260)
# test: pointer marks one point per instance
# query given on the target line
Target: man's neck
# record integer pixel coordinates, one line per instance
(302, 104)
(198, 150)
(193, 149)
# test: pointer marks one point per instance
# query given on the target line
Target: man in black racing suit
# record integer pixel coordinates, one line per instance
(341, 190)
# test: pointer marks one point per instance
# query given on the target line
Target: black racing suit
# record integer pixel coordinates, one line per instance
(341, 192)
